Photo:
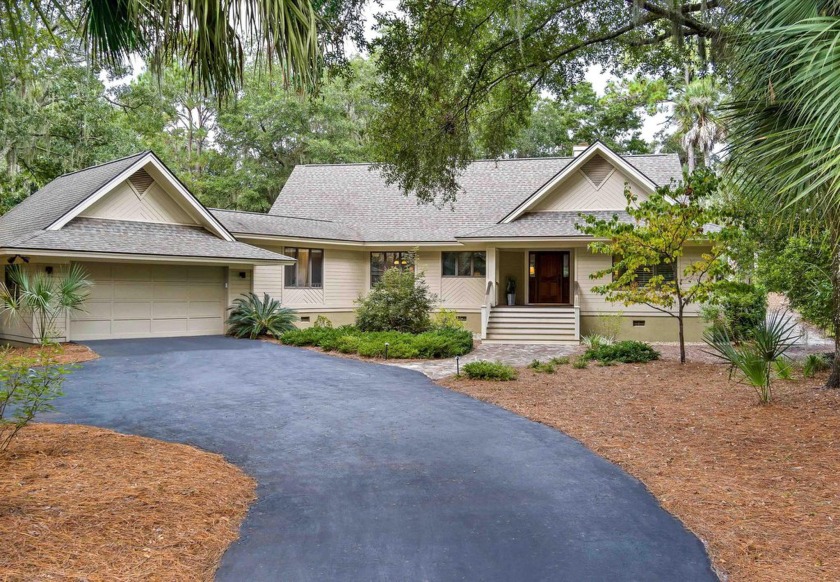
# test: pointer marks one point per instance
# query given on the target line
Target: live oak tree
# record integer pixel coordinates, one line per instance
(647, 249)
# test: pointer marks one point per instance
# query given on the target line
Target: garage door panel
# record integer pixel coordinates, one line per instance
(147, 301)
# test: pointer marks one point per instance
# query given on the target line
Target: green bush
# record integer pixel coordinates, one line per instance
(628, 351)
(400, 301)
(580, 363)
(560, 361)
(815, 363)
(322, 321)
(447, 319)
(544, 367)
(439, 343)
(253, 317)
(735, 309)
(484, 370)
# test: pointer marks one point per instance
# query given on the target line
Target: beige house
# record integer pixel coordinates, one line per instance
(165, 265)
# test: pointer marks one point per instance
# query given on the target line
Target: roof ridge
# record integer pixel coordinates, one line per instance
(138, 154)
(494, 160)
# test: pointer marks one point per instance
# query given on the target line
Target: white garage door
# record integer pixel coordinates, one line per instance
(151, 301)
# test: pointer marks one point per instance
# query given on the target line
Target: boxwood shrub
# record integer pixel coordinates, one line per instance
(437, 343)
(484, 370)
(628, 352)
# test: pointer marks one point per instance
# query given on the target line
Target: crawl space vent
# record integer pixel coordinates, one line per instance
(141, 180)
(597, 169)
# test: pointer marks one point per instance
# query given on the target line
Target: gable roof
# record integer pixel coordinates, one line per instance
(356, 196)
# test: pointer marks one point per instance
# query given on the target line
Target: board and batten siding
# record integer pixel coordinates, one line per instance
(579, 193)
(592, 303)
(126, 203)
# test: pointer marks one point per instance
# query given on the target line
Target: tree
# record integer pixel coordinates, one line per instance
(209, 38)
(784, 136)
(582, 116)
(647, 250)
(462, 77)
(698, 124)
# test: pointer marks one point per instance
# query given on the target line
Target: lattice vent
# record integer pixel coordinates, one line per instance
(141, 180)
(597, 169)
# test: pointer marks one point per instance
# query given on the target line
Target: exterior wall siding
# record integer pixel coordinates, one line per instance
(579, 193)
(124, 203)
(344, 277)
(463, 292)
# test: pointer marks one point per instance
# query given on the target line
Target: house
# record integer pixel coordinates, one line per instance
(332, 232)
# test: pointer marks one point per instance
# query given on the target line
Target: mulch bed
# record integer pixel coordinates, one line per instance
(69, 353)
(759, 484)
(82, 503)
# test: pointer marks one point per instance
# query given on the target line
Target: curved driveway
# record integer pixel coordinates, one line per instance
(370, 472)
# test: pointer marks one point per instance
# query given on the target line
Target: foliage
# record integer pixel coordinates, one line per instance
(434, 344)
(39, 299)
(783, 152)
(543, 367)
(461, 79)
(28, 385)
(447, 319)
(735, 308)
(253, 317)
(322, 321)
(699, 124)
(485, 370)
(560, 360)
(580, 363)
(660, 229)
(783, 368)
(400, 301)
(593, 340)
(609, 325)
(756, 358)
(815, 363)
(628, 352)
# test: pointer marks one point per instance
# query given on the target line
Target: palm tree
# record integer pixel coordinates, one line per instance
(209, 37)
(695, 111)
(785, 143)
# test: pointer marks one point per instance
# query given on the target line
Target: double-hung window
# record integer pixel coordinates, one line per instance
(308, 271)
(464, 264)
(383, 260)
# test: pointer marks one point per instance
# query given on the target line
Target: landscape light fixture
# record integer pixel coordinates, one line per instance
(386, 350)
(457, 365)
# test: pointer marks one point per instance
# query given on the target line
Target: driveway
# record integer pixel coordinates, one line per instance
(370, 472)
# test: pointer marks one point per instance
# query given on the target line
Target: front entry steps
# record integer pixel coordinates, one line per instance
(532, 324)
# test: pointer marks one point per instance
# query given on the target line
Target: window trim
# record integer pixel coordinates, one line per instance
(308, 268)
(400, 254)
(472, 274)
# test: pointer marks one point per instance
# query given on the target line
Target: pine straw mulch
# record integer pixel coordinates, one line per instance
(69, 353)
(82, 503)
(759, 484)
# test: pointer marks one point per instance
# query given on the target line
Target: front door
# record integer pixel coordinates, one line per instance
(550, 277)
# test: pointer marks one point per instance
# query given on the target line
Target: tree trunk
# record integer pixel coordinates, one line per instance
(692, 158)
(834, 378)
(682, 335)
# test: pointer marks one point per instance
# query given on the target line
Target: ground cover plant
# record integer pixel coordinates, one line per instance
(432, 344)
(83, 503)
(485, 370)
(758, 484)
(628, 352)
(550, 366)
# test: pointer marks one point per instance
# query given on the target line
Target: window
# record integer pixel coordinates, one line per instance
(308, 271)
(464, 264)
(382, 261)
(645, 274)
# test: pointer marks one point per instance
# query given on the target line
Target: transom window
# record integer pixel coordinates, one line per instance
(464, 264)
(382, 261)
(308, 271)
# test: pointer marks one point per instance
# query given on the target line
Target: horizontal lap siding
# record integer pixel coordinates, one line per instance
(344, 277)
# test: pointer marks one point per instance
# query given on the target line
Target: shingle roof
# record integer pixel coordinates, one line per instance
(57, 198)
(97, 235)
(543, 225)
(357, 196)
(269, 224)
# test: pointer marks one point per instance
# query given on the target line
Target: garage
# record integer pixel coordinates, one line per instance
(137, 300)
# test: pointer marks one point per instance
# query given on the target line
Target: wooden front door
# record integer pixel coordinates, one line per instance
(549, 277)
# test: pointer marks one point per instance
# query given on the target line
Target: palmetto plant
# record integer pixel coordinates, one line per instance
(784, 121)
(38, 299)
(253, 317)
(695, 111)
(755, 359)
(210, 37)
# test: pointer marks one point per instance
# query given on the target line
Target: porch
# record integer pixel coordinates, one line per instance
(532, 295)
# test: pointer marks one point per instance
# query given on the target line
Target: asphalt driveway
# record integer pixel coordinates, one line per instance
(370, 472)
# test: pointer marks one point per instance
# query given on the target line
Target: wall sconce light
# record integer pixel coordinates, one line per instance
(531, 270)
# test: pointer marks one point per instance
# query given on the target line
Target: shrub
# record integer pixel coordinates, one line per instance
(815, 363)
(784, 368)
(543, 367)
(609, 325)
(755, 358)
(400, 301)
(560, 360)
(735, 309)
(253, 317)
(594, 340)
(580, 363)
(28, 385)
(447, 319)
(322, 321)
(628, 352)
(484, 370)
(441, 343)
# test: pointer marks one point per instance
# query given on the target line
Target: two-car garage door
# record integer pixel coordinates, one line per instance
(134, 300)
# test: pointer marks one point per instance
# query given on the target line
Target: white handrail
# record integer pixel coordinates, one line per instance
(577, 309)
(485, 309)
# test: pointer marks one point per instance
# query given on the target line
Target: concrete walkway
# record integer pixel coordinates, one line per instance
(369, 472)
